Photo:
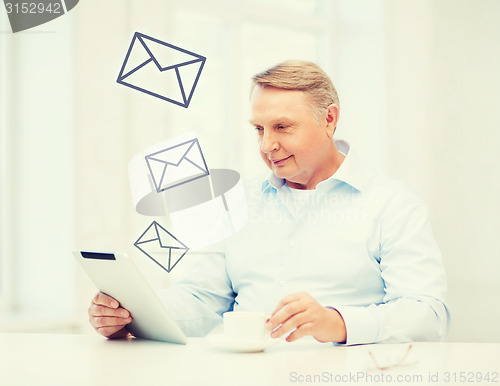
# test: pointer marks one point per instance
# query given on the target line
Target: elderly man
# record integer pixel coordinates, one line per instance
(331, 249)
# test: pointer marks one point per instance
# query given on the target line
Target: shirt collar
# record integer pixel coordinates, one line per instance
(351, 172)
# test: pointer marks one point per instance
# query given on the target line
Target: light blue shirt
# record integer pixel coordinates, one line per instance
(360, 243)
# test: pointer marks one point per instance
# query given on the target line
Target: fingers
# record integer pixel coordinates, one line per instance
(119, 312)
(300, 331)
(105, 300)
(105, 322)
(112, 330)
(113, 333)
(295, 324)
(288, 314)
(285, 319)
(104, 305)
(298, 317)
(107, 317)
(300, 314)
(286, 300)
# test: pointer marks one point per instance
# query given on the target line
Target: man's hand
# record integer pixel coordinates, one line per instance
(304, 314)
(107, 317)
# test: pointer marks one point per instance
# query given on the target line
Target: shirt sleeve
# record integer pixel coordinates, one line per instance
(197, 301)
(415, 283)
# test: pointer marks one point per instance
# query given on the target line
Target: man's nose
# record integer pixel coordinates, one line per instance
(269, 142)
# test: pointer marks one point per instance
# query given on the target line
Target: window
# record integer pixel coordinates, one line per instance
(36, 171)
(5, 266)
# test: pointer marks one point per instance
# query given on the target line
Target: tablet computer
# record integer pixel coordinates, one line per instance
(116, 275)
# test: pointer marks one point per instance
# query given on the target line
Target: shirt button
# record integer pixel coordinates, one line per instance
(292, 244)
(282, 283)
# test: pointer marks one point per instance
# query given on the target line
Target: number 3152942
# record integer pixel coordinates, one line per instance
(33, 8)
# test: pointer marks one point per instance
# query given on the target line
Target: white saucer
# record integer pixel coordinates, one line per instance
(225, 343)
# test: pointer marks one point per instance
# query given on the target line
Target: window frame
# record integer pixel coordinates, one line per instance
(7, 269)
(15, 305)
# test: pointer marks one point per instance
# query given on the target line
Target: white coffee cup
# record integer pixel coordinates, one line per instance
(242, 325)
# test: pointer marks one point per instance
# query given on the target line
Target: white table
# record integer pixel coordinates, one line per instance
(46, 359)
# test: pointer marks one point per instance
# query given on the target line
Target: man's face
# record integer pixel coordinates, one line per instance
(293, 144)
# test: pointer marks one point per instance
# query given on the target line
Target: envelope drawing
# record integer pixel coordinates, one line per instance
(177, 165)
(161, 246)
(161, 69)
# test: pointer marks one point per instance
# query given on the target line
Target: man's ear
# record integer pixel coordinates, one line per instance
(332, 117)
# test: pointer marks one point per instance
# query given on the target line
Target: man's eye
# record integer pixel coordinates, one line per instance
(258, 129)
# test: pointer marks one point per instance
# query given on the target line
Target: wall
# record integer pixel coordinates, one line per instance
(418, 83)
(443, 60)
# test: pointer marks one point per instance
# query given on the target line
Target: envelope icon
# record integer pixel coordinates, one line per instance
(161, 69)
(161, 246)
(177, 165)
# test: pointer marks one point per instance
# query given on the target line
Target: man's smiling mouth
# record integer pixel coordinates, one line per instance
(280, 161)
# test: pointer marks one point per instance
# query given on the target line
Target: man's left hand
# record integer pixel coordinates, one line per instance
(304, 314)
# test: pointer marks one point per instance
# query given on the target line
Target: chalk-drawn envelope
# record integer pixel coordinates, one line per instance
(161, 246)
(161, 69)
(177, 165)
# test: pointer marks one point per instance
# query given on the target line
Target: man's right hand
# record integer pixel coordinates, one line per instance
(107, 317)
